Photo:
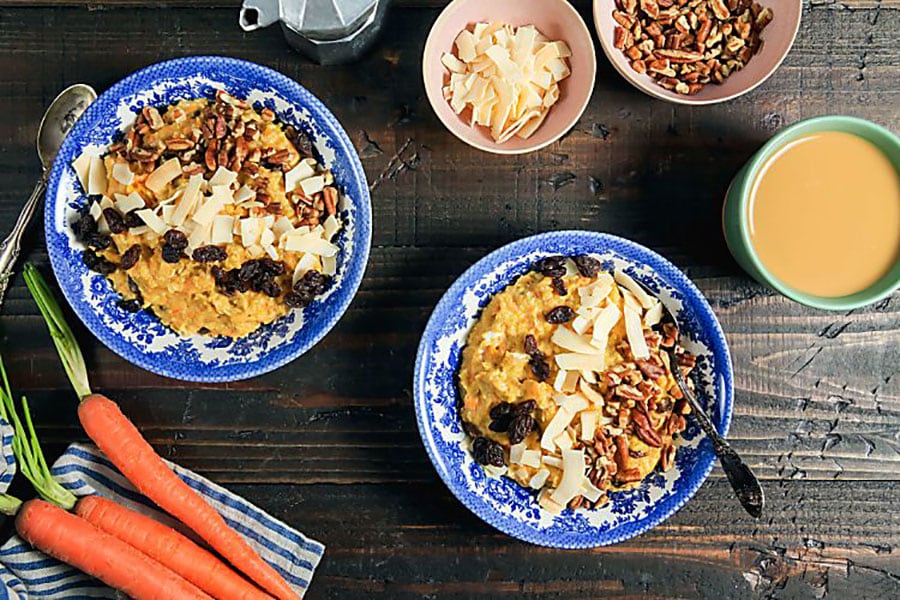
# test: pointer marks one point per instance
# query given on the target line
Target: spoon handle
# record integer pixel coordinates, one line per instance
(10, 247)
(745, 484)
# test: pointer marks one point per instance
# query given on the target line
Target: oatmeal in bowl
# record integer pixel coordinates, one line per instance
(564, 384)
(208, 219)
(543, 398)
(212, 215)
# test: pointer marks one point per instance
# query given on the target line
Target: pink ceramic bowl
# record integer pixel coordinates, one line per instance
(557, 20)
(777, 37)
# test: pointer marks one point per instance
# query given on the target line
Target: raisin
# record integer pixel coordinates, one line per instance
(531, 347)
(552, 266)
(540, 368)
(295, 300)
(487, 452)
(271, 288)
(209, 254)
(525, 407)
(500, 425)
(85, 227)
(248, 270)
(176, 239)
(131, 306)
(171, 254)
(98, 241)
(559, 315)
(501, 410)
(520, 427)
(132, 219)
(97, 263)
(275, 267)
(587, 265)
(130, 258)
(559, 286)
(312, 284)
(114, 220)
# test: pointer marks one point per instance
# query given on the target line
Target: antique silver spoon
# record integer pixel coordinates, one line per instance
(745, 484)
(55, 124)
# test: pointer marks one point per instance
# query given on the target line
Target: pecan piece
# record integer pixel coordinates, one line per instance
(330, 198)
(179, 144)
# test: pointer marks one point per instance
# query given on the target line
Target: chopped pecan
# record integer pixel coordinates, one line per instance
(330, 199)
(178, 144)
(652, 368)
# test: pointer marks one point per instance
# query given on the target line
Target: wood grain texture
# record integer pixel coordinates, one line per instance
(329, 442)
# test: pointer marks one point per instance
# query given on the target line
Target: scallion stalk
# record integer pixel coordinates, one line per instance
(63, 338)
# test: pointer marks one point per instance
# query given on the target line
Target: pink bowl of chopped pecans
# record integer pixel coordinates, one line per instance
(696, 52)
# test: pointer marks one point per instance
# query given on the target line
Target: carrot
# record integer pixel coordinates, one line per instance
(74, 541)
(169, 547)
(33, 465)
(124, 445)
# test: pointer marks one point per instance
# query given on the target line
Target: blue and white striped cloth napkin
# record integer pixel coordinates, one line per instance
(83, 470)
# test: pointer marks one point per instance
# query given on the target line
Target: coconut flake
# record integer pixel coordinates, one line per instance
(304, 170)
(153, 221)
(188, 199)
(306, 262)
(97, 177)
(603, 326)
(122, 173)
(158, 180)
(223, 226)
(569, 340)
(635, 334)
(82, 166)
(531, 458)
(591, 394)
(223, 176)
(653, 315)
(312, 185)
(573, 361)
(556, 426)
(572, 479)
(588, 424)
(538, 480)
(645, 299)
(244, 194)
(127, 203)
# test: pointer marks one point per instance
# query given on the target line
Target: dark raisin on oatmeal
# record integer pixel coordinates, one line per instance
(587, 265)
(551, 266)
(488, 452)
(525, 407)
(171, 254)
(559, 315)
(84, 227)
(114, 220)
(559, 286)
(130, 257)
(97, 263)
(176, 239)
(531, 347)
(131, 306)
(209, 254)
(132, 219)
(98, 241)
(520, 427)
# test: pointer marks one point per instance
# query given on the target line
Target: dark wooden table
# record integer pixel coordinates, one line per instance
(329, 443)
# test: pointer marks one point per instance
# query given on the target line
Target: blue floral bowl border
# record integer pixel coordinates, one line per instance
(510, 507)
(141, 338)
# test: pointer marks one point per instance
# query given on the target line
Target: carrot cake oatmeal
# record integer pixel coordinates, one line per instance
(211, 214)
(564, 385)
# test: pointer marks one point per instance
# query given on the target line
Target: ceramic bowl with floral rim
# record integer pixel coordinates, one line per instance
(142, 338)
(507, 505)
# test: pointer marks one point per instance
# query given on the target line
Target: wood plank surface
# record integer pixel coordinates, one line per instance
(329, 443)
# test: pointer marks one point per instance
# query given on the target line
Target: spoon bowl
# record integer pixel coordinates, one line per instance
(55, 124)
(59, 119)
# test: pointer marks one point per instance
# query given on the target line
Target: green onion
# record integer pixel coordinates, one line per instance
(28, 450)
(63, 338)
(9, 505)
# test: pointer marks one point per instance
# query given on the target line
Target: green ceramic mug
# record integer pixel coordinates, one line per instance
(735, 221)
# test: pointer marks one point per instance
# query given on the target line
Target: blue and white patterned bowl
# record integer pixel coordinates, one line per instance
(142, 338)
(508, 506)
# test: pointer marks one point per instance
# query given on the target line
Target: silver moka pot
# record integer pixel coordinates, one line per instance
(329, 32)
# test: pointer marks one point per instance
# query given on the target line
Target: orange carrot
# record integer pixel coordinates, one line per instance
(169, 547)
(124, 445)
(74, 541)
